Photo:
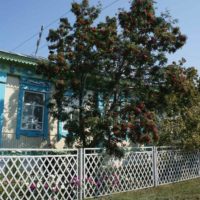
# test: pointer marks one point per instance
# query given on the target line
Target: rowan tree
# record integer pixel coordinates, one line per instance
(133, 56)
(119, 62)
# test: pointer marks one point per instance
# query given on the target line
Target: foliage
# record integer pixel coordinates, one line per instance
(114, 71)
(180, 123)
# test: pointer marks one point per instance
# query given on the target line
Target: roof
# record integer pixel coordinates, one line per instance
(19, 58)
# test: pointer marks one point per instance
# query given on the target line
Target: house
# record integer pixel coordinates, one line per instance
(24, 95)
(25, 121)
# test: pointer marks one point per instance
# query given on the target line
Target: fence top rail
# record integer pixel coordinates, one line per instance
(37, 156)
(37, 150)
(147, 147)
(95, 151)
(128, 148)
(160, 148)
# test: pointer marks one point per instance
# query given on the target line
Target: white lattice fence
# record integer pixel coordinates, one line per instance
(34, 175)
(74, 174)
(134, 171)
(175, 165)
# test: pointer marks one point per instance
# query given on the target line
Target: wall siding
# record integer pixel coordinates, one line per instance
(3, 78)
(10, 121)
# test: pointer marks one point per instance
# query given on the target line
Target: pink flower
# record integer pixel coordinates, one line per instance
(75, 181)
(33, 186)
(55, 189)
(91, 181)
(46, 186)
(116, 180)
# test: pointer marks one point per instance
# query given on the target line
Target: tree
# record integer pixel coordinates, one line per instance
(180, 121)
(120, 64)
(73, 58)
(134, 60)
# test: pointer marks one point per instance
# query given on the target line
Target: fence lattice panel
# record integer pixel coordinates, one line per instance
(134, 171)
(39, 175)
(176, 165)
(85, 173)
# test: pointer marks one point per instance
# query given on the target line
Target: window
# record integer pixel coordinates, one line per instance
(72, 115)
(63, 132)
(33, 111)
(32, 118)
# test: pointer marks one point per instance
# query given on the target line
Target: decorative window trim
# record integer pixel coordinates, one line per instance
(38, 86)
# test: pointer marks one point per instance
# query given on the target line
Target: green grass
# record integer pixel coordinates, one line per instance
(186, 190)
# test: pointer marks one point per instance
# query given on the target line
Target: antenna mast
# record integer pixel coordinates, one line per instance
(39, 40)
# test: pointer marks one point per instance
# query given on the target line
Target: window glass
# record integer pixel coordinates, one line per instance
(33, 98)
(72, 115)
(72, 111)
(32, 111)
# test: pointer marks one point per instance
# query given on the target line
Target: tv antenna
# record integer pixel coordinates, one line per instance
(39, 40)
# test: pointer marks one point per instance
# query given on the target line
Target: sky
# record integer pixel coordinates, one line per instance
(21, 20)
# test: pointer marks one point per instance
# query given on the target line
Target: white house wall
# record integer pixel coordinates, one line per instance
(10, 119)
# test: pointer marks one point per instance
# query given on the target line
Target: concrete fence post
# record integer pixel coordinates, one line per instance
(81, 172)
(199, 163)
(155, 167)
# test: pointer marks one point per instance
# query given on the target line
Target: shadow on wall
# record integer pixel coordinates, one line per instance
(11, 104)
(53, 130)
(10, 120)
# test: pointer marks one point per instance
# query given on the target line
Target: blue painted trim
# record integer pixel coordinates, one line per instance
(20, 70)
(46, 118)
(19, 112)
(3, 78)
(100, 103)
(68, 93)
(61, 132)
(39, 86)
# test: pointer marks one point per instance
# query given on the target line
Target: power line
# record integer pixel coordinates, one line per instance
(53, 22)
(34, 35)
(112, 3)
(104, 8)
(44, 45)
